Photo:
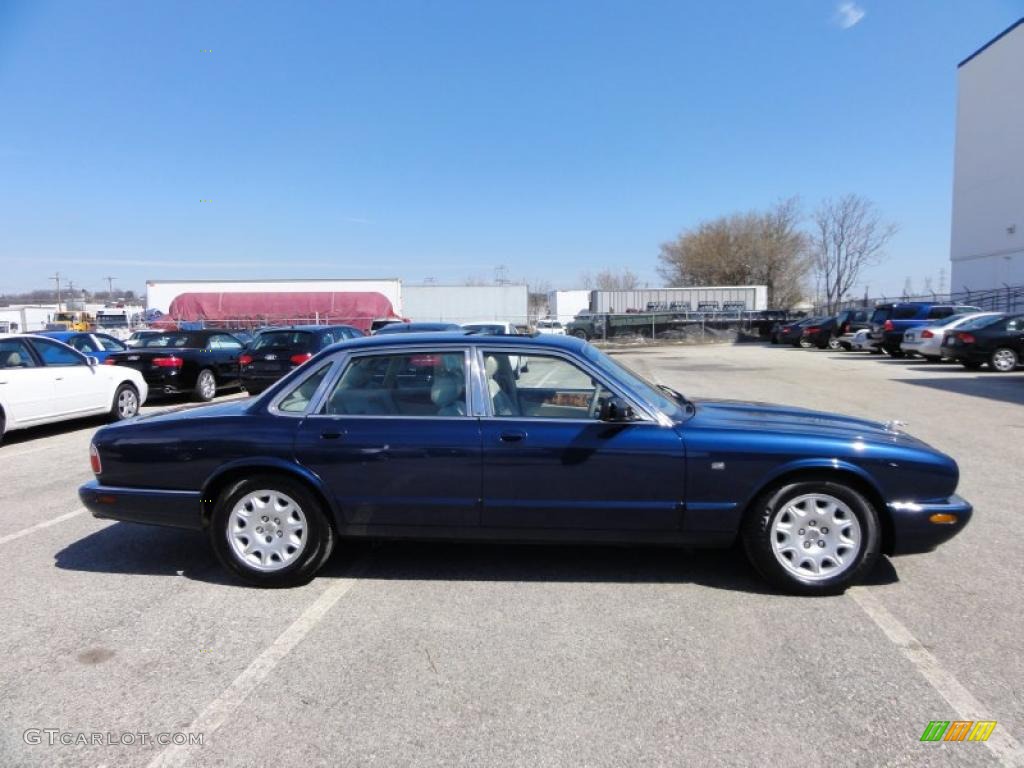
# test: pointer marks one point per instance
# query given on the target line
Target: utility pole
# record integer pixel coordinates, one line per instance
(110, 287)
(57, 278)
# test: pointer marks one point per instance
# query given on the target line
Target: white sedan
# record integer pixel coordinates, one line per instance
(926, 340)
(43, 380)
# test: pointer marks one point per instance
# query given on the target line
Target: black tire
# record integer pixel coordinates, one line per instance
(834, 344)
(318, 534)
(898, 354)
(126, 403)
(931, 359)
(970, 365)
(756, 534)
(202, 391)
(1004, 360)
(579, 333)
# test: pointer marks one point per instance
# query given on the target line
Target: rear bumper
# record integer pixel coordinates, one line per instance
(178, 509)
(914, 532)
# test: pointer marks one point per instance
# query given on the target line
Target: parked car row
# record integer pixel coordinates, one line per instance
(931, 331)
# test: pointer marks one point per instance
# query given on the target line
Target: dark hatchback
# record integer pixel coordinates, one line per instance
(276, 351)
(433, 436)
(793, 333)
(198, 363)
(994, 341)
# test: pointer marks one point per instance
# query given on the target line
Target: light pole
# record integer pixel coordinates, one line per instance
(57, 278)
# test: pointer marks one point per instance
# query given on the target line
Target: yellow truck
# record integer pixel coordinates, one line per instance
(71, 321)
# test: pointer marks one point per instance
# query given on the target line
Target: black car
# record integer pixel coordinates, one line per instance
(419, 328)
(995, 341)
(194, 362)
(823, 334)
(792, 333)
(275, 351)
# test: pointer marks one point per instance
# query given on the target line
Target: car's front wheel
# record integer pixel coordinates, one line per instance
(834, 343)
(270, 531)
(1003, 360)
(126, 403)
(812, 537)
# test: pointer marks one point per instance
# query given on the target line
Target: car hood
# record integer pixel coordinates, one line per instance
(766, 417)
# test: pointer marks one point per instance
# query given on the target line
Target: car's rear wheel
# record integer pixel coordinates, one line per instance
(206, 386)
(271, 532)
(813, 537)
(126, 403)
(1003, 360)
(579, 333)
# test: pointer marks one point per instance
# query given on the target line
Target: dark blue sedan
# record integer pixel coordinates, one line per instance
(90, 344)
(438, 436)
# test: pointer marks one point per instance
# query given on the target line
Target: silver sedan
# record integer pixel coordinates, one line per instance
(926, 340)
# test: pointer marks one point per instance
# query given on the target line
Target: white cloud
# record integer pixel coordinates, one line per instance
(849, 14)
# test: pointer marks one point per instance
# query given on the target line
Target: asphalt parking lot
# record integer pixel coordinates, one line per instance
(457, 654)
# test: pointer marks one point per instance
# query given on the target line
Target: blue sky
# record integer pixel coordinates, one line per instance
(440, 139)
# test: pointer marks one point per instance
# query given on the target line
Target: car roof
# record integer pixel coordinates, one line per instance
(59, 335)
(540, 341)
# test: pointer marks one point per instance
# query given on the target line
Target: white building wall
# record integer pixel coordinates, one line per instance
(565, 305)
(465, 303)
(987, 237)
(160, 293)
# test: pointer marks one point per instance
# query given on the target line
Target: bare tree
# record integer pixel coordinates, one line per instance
(752, 248)
(849, 235)
(610, 280)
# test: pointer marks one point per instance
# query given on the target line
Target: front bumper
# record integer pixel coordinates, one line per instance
(914, 532)
(178, 509)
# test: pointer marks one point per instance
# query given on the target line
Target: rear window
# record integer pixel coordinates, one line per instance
(980, 322)
(179, 340)
(880, 315)
(486, 330)
(301, 340)
(905, 312)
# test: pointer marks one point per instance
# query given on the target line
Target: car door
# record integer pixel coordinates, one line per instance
(78, 388)
(549, 462)
(225, 351)
(26, 387)
(394, 442)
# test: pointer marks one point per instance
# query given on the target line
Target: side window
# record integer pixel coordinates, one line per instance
(548, 387)
(937, 313)
(15, 354)
(110, 344)
(1017, 324)
(410, 384)
(56, 354)
(221, 341)
(298, 399)
(83, 344)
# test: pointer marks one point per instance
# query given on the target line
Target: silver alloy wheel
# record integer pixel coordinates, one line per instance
(267, 530)
(127, 403)
(207, 385)
(816, 536)
(1004, 360)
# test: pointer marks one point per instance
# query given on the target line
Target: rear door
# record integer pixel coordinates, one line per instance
(394, 443)
(549, 463)
(26, 387)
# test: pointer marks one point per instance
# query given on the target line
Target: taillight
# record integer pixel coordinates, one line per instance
(244, 359)
(888, 326)
(966, 338)
(846, 327)
(110, 361)
(94, 459)
(927, 335)
(168, 362)
(809, 331)
(300, 358)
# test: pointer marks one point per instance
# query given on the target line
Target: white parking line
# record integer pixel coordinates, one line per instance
(1002, 744)
(220, 709)
(40, 526)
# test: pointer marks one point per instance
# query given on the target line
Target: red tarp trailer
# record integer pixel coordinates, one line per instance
(359, 309)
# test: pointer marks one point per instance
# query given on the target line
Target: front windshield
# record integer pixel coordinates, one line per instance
(637, 383)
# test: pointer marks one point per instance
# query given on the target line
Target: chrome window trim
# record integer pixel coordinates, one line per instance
(345, 357)
(273, 408)
(647, 415)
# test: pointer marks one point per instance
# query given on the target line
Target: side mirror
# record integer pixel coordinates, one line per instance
(92, 361)
(616, 409)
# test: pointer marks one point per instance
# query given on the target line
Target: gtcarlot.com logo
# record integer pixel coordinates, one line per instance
(958, 730)
(52, 737)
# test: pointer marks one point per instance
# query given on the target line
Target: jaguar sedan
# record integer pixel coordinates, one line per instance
(434, 436)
